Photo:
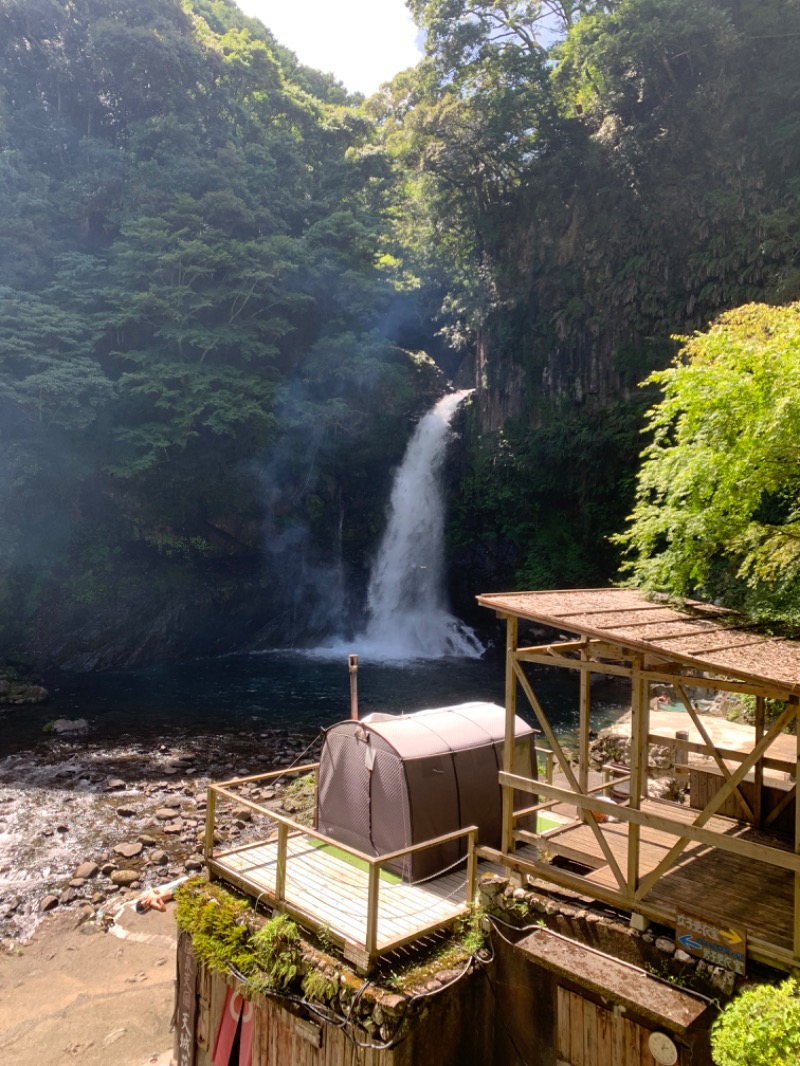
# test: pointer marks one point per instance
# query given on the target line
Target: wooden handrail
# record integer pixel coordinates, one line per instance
(444, 839)
(373, 862)
(681, 830)
(388, 856)
(306, 769)
(698, 748)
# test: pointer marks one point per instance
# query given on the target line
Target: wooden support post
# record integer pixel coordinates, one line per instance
(211, 807)
(568, 773)
(512, 637)
(583, 729)
(645, 742)
(758, 769)
(280, 871)
(707, 740)
(373, 887)
(638, 726)
(472, 866)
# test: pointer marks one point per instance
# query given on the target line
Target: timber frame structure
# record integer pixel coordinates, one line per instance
(656, 859)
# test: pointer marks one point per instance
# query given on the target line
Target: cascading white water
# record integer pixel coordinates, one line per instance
(406, 602)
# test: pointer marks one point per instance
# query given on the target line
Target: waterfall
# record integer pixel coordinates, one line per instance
(407, 609)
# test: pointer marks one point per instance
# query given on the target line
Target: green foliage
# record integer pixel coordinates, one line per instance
(534, 506)
(743, 709)
(320, 987)
(190, 235)
(473, 931)
(761, 1027)
(277, 950)
(716, 512)
(218, 924)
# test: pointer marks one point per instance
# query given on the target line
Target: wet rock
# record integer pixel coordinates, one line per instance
(108, 868)
(164, 814)
(48, 902)
(174, 827)
(124, 878)
(126, 812)
(128, 850)
(66, 725)
(147, 841)
(85, 914)
(69, 895)
(115, 784)
(16, 692)
(77, 882)
(194, 863)
(723, 980)
(159, 858)
(87, 870)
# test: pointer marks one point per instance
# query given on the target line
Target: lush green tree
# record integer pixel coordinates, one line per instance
(761, 1027)
(192, 305)
(718, 499)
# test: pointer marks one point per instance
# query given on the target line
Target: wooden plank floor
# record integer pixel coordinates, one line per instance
(332, 893)
(703, 880)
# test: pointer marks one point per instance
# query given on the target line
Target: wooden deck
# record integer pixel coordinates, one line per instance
(323, 891)
(703, 880)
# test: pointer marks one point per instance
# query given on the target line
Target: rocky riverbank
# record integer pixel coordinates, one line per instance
(83, 827)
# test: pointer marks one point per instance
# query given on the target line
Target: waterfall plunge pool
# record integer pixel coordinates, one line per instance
(302, 693)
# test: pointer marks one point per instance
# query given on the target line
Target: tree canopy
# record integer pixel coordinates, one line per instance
(191, 294)
(217, 267)
(718, 497)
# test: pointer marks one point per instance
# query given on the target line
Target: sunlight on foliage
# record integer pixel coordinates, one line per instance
(761, 1027)
(717, 512)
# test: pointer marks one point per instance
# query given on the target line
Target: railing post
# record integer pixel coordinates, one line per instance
(507, 833)
(211, 807)
(280, 871)
(472, 866)
(373, 886)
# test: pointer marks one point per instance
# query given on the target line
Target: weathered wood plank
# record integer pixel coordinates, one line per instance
(590, 1022)
(617, 1038)
(604, 1040)
(324, 890)
(564, 1042)
(576, 1004)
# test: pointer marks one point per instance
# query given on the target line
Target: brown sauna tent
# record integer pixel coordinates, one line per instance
(389, 781)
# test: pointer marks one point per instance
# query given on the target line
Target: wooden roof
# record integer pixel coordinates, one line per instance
(699, 635)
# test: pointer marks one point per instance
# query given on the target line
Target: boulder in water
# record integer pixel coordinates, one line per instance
(66, 725)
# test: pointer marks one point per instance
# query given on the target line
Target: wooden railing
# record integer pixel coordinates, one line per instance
(287, 827)
(612, 774)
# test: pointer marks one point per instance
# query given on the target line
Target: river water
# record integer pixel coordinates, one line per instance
(297, 692)
(172, 729)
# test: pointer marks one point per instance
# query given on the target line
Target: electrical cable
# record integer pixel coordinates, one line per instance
(339, 1021)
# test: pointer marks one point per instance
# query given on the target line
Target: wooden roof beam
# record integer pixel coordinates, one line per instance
(666, 674)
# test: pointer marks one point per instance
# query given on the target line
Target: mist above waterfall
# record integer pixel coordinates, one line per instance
(407, 609)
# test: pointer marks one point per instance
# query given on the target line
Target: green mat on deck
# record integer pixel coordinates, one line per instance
(353, 860)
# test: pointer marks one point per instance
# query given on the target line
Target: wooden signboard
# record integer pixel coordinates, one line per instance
(185, 1016)
(718, 943)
